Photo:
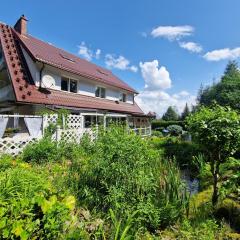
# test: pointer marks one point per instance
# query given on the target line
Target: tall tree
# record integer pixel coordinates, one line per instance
(226, 92)
(185, 112)
(170, 114)
(217, 130)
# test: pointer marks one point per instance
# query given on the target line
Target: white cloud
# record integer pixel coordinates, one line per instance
(172, 32)
(153, 97)
(98, 53)
(191, 46)
(158, 101)
(87, 53)
(155, 77)
(223, 54)
(120, 62)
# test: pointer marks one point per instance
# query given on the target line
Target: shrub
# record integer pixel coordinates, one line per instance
(29, 209)
(5, 162)
(175, 130)
(161, 124)
(42, 151)
(157, 133)
(182, 151)
(123, 174)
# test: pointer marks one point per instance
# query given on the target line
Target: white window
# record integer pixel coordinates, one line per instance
(100, 92)
(123, 97)
(68, 85)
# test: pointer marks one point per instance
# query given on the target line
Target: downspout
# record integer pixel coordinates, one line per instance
(40, 75)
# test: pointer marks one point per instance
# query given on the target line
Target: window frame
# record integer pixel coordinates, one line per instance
(73, 80)
(123, 97)
(99, 89)
(69, 84)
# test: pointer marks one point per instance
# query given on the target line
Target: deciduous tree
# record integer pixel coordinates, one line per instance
(217, 129)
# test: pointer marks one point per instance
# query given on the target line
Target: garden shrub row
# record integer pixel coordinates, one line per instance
(161, 124)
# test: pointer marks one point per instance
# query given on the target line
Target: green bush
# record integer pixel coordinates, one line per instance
(157, 133)
(5, 162)
(183, 152)
(161, 124)
(29, 208)
(122, 173)
(175, 130)
(42, 151)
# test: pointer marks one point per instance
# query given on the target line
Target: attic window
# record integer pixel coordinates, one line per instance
(67, 58)
(102, 72)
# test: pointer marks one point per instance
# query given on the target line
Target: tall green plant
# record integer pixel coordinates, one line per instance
(217, 129)
(124, 174)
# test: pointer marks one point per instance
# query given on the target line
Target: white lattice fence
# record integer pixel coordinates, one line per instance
(72, 135)
(74, 121)
(13, 146)
(48, 119)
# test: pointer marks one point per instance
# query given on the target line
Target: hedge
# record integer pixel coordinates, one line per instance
(164, 124)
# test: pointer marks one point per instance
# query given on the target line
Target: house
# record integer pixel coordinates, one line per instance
(36, 75)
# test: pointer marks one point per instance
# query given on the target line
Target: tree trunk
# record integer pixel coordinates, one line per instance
(215, 173)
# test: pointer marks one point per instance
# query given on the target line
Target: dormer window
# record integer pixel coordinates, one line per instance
(68, 85)
(100, 92)
(123, 97)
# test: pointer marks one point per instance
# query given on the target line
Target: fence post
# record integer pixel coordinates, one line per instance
(58, 133)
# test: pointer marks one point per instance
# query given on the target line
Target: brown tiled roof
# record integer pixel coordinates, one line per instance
(26, 91)
(59, 58)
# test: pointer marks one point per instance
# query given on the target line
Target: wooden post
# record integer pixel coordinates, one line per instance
(58, 133)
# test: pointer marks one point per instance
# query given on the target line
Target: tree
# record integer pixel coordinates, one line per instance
(170, 114)
(185, 112)
(217, 130)
(226, 92)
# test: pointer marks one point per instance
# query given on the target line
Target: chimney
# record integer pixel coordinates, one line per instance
(21, 25)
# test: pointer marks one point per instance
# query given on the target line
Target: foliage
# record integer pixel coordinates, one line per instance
(123, 174)
(157, 133)
(29, 208)
(226, 92)
(170, 114)
(160, 124)
(206, 230)
(185, 113)
(42, 151)
(183, 152)
(229, 210)
(116, 187)
(175, 130)
(217, 130)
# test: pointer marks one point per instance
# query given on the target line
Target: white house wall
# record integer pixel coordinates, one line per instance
(112, 94)
(85, 86)
(87, 89)
(32, 67)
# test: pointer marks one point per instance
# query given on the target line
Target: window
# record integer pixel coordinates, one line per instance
(100, 92)
(64, 84)
(123, 97)
(69, 85)
(73, 86)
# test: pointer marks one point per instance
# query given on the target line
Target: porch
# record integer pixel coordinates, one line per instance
(16, 131)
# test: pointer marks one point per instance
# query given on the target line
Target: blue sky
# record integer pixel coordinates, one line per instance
(163, 48)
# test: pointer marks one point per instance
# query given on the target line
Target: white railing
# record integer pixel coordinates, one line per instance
(14, 143)
(144, 131)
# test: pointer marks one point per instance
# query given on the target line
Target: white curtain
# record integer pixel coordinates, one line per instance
(34, 126)
(3, 125)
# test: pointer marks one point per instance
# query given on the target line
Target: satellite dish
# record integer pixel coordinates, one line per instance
(48, 81)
